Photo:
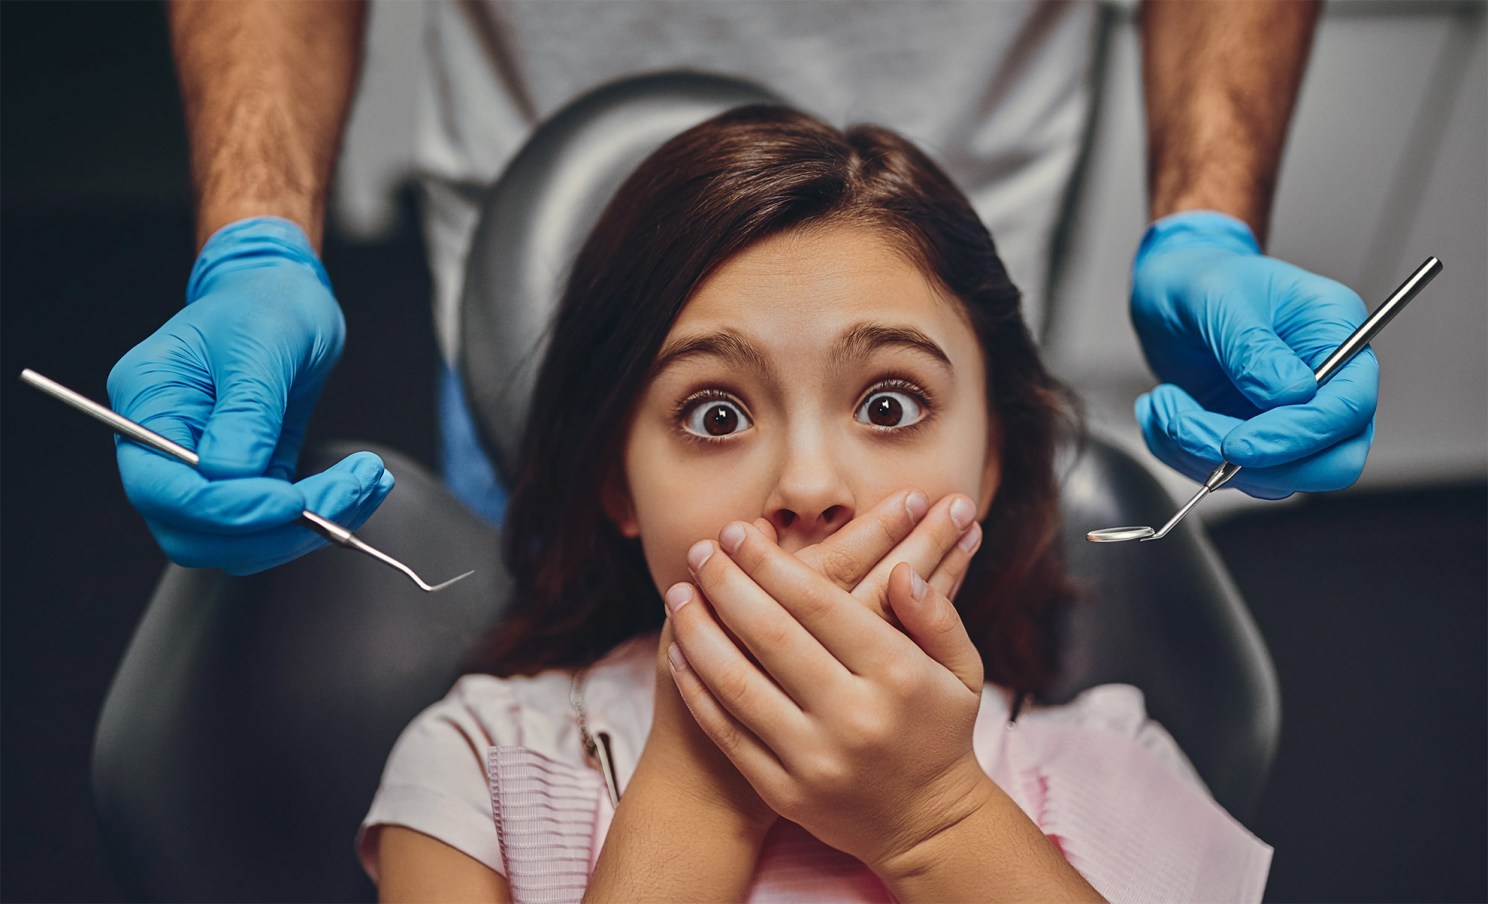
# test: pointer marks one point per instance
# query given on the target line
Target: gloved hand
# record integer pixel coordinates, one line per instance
(234, 376)
(1235, 336)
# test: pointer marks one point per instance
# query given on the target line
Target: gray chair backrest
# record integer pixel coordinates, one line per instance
(536, 217)
(243, 737)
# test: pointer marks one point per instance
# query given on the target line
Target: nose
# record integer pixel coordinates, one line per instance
(812, 497)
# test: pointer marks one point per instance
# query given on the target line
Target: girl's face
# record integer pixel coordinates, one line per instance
(809, 377)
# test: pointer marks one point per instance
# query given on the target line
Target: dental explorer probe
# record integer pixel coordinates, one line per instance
(1351, 346)
(144, 436)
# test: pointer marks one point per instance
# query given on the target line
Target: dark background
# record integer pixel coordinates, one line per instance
(1373, 604)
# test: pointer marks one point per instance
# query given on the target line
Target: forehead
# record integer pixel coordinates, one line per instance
(796, 291)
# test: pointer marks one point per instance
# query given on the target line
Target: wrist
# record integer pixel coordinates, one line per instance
(1189, 228)
(702, 803)
(307, 216)
(990, 851)
(965, 797)
(252, 241)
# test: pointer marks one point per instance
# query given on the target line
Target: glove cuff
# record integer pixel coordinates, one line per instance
(1196, 227)
(253, 242)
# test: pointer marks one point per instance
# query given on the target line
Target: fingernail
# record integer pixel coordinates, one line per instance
(730, 538)
(917, 504)
(916, 585)
(677, 596)
(676, 659)
(699, 554)
(971, 539)
(962, 513)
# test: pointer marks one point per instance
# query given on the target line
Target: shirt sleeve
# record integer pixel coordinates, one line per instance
(435, 778)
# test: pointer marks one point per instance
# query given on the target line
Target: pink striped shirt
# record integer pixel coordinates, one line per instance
(496, 770)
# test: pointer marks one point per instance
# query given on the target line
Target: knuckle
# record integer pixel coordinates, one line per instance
(812, 605)
(732, 686)
(787, 798)
(826, 772)
(866, 730)
(890, 530)
(726, 736)
(773, 634)
(898, 677)
(840, 567)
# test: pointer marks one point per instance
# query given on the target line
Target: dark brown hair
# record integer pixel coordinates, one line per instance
(580, 587)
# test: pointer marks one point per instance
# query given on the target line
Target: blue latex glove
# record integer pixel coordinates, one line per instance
(234, 376)
(1235, 336)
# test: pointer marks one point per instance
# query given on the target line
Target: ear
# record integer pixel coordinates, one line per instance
(615, 497)
(992, 469)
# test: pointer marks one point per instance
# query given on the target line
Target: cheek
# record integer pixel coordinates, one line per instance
(945, 468)
(679, 501)
(953, 456)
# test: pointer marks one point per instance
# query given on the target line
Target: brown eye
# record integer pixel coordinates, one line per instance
(715, 418)
(890, 409)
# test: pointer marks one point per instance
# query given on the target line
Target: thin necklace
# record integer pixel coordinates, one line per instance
(596, 746)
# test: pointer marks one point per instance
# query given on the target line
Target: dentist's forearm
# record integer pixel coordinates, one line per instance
(1220, 79)
(266, 85)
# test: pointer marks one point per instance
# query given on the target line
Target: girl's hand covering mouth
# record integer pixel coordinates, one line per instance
(855, 729)
(857, 559)
(937, 541)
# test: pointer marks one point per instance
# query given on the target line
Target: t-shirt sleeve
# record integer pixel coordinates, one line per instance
(435, 778)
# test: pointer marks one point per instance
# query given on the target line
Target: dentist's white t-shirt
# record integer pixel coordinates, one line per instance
(996, 90)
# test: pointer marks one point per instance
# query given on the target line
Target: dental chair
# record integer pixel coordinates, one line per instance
(244, 734)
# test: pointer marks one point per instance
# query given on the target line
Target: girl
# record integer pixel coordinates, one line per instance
(734, 619)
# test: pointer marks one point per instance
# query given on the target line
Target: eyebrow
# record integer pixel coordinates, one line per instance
(857, 343)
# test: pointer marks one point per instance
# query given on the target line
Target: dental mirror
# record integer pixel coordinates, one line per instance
(1118, 534)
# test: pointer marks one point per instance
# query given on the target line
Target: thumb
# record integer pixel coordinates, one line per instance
(242, 432)
(1258, 362)
(768, 529)
(933, 623)
(349, 491)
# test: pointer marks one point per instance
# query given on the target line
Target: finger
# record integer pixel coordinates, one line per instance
(1189, 439)
(936, 536)
(846, 631)
(1200, 432)
(343, 492)
(734, 682)
(243, 430)
(948, 575)
(754, 760)
(292, 433)
(1332, 469)
(850, 554)
(1341, 410)
(768, 529)
(1258, 361)
(781, 644)
(175, 495)
(1162, 415)
(348, 493)
(933, 623)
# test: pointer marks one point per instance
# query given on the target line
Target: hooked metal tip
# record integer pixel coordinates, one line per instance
(438, 587)
(353, 542)
(343, 537)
